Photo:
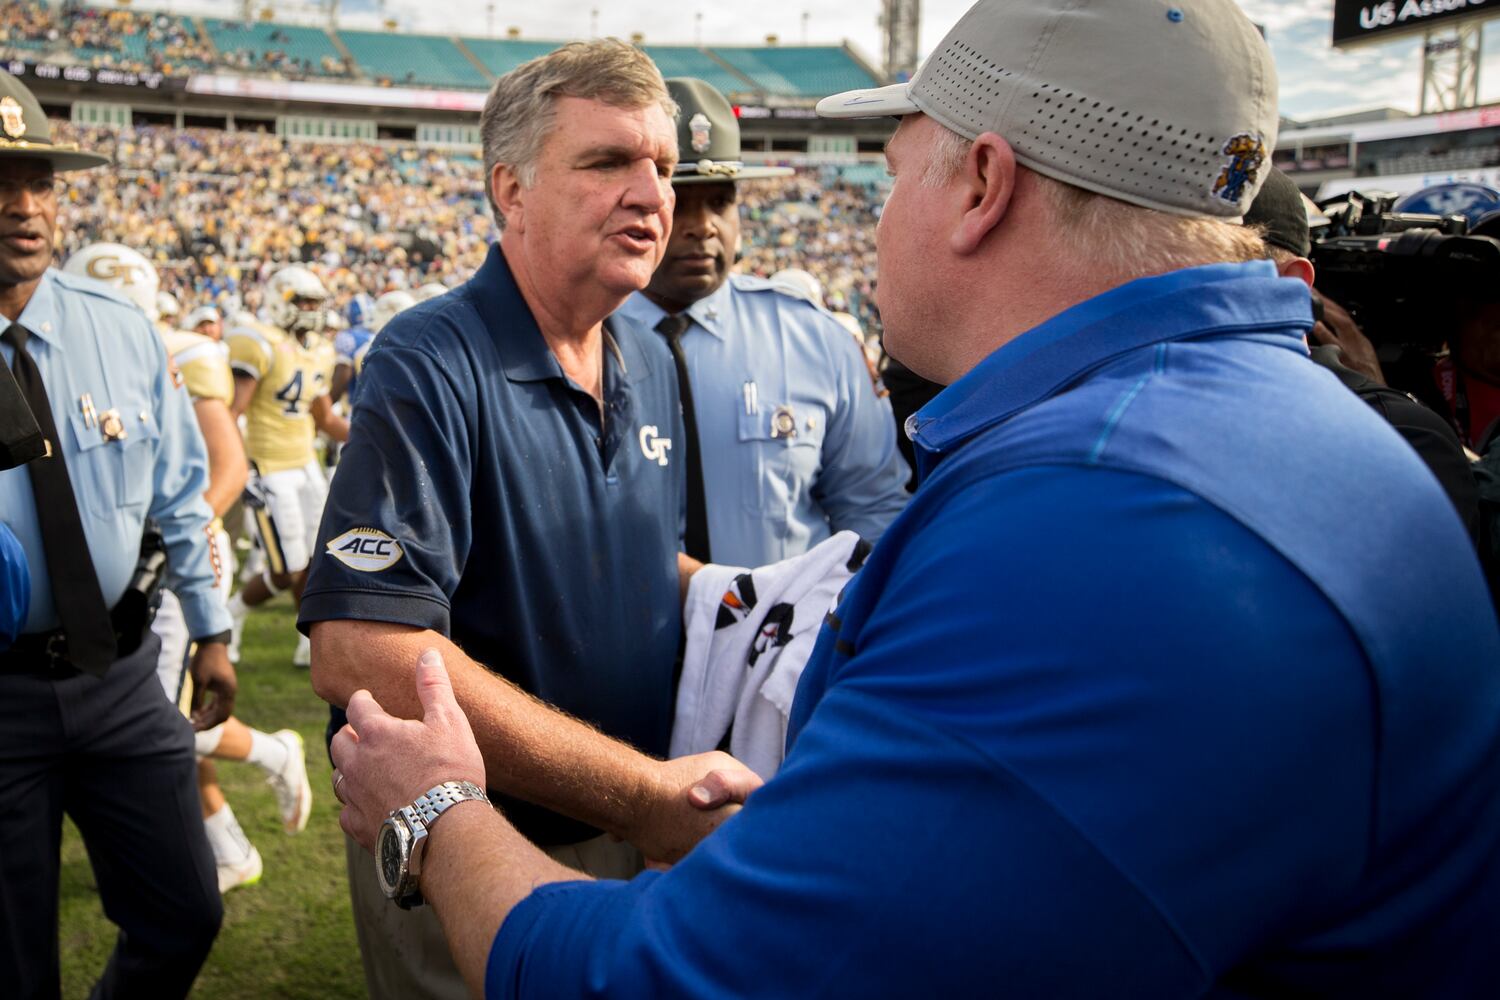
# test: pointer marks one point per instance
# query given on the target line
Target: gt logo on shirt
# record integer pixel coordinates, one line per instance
(368, 550)
(654, 448)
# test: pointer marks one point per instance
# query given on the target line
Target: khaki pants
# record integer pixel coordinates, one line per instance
(404, 952)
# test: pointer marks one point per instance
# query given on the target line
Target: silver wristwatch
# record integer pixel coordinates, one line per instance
(403, 835)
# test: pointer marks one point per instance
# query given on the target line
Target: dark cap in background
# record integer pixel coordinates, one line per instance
(1281, 210)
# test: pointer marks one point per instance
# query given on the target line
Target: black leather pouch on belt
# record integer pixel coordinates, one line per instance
(136, 609)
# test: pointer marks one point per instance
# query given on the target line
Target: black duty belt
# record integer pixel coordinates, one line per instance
(45, 654)
(41, 653)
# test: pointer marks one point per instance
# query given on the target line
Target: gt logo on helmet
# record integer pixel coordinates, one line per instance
(114, 271)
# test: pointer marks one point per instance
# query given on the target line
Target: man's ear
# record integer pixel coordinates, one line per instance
(1301, 268)
(988, 180)
(505, 188)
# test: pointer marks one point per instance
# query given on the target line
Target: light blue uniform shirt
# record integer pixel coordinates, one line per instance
(753, 351)
(86, 339)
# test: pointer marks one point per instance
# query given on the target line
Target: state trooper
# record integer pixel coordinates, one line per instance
(787, 441)
(84, 728)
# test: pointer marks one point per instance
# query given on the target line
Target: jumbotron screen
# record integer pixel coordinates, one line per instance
(1358, 21)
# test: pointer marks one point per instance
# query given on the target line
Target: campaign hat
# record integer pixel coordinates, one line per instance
(708, 137)
(25, 131)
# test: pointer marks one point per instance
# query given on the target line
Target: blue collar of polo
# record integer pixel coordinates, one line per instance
(524, 353)
(1181, 305)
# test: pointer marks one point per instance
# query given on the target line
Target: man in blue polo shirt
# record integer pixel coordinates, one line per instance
(1176, 678)
(512, 485)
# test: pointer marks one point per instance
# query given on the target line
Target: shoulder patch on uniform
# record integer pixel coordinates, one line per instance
(368, 550)
(94, 286)
(751, 283)
(99, 290)
(786, 296)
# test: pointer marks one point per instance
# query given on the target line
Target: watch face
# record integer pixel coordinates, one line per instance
(388, 853)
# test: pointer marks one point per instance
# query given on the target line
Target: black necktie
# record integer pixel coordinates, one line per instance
(696, 540)
(75, 586)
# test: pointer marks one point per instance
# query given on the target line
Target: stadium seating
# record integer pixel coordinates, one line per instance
(308, 46)
(800, 71)
(687, 61)
(173, 43)
(101, 37)
(1435, 163)
(423, 60)
(870, 175)
(501, 55)
(139, 45)
(28, 44)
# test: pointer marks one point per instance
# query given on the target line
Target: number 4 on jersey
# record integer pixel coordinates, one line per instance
(291, 393)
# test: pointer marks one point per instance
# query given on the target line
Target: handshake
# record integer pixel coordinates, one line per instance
(749, 634)
(664, 808)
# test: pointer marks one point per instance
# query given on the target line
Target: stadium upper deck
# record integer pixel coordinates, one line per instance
(1392, 151)
(173, 45)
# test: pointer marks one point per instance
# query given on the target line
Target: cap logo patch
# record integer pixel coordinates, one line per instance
(368, 550)
(1247, 154)
(12, 117)
(702, 132)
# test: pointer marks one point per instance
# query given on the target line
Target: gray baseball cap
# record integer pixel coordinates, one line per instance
(1169, 104)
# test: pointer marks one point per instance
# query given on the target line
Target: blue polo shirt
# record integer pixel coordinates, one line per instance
(481, 496)
(1177, 678)
(15, 594)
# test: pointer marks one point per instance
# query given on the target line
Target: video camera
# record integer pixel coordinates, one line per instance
(1401, 275)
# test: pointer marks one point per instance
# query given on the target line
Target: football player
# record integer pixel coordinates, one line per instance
(386, 309)
(283, 372)
(349, 342)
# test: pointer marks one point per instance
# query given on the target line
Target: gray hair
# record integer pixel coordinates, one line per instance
(521, 109)
(1114, 236)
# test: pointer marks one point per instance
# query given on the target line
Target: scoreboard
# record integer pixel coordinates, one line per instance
(1359, 21)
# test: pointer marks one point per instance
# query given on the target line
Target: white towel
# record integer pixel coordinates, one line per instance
(749, 635)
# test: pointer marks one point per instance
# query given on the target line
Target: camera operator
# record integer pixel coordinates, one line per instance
(1338, 344)
(1468, 377)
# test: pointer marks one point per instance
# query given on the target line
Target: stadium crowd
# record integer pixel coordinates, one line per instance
(73, 30)
(820, 224)
(216, 212)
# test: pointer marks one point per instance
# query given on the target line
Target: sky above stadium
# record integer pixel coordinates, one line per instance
(1316, 80)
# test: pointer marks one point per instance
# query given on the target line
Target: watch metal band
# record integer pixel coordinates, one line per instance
(430, 805)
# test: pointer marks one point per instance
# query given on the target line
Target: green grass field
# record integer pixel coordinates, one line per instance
(290, 935)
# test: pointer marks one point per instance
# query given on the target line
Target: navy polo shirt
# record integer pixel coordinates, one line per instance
(481, 496)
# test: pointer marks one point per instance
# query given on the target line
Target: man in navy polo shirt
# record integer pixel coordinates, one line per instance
(512, 484)
(1177, 678)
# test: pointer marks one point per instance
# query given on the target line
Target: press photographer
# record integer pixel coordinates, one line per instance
(1420, 341)
(1425, 290)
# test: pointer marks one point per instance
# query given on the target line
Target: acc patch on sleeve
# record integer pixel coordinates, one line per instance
(368, 550)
